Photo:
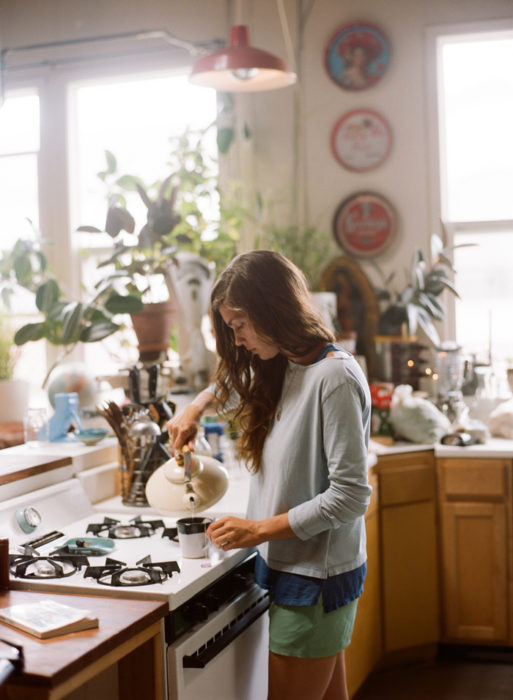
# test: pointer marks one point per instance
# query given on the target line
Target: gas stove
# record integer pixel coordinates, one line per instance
(59, 542)
(215, 634)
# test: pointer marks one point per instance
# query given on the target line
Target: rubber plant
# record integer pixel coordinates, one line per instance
(418, 303)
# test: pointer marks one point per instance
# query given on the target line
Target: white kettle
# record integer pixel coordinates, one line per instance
(186, 483)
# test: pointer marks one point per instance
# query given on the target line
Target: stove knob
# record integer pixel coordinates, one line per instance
(211, 601)
(28, 518)
(196, 612)
(239, 583)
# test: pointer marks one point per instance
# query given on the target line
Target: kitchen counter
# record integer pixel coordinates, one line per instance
(494, 447)
(129, 634)
(24, 468)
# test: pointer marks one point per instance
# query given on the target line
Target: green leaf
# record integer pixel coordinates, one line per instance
(128, 182)
(246, 131)
(123, 304)
(23, 270)
(29, 332)
(89, 229)
(98, 331)
(225, 136)
(119, 219)
(46, 295)
(112, 163)
(72, 317)
(56, 313)
(429, 329)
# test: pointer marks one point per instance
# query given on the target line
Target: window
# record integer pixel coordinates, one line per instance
(475, 103)
(134, 118)
(19, 153)
(19, 148)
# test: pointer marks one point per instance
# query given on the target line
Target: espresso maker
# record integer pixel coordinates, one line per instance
(451, 368)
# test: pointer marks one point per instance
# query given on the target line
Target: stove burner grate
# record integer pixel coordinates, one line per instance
(36, 567)
(134, 528)
(144, 573)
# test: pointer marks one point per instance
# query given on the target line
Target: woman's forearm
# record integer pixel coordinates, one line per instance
(183, 427)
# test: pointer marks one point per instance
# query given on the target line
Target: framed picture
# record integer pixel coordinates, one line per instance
(357, 305)
(357, 56)
(365, 225)
(361, 140)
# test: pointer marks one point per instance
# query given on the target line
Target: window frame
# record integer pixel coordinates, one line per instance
(52, 81)
(434, 37)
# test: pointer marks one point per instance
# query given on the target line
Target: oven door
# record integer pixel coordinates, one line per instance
(226, 657)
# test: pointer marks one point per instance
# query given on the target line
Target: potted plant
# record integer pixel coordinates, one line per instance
(64, 322)
(417, 304)
(179, 220)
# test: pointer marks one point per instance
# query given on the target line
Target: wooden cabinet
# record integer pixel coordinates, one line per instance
(409, 552)
(365, 649)
(475, 517)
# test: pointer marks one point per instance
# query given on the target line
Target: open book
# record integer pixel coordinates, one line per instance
(46, 618)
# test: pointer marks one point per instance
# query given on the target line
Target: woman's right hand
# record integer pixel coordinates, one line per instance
(183, 427)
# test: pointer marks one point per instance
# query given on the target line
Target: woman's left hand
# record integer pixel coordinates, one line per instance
(233, 533)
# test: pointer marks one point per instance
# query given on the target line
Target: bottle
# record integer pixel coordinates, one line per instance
(4, 564)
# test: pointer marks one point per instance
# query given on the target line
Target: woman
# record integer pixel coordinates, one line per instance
(303, 408)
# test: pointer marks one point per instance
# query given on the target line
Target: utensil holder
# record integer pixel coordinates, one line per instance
(133, 481)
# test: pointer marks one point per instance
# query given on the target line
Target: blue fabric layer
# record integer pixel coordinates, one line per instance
(295, 589)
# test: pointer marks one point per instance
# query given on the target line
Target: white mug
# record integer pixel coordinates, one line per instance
(191, 532)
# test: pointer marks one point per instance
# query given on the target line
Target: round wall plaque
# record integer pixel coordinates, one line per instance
(361, 140)
(357, 56)
(365, 225)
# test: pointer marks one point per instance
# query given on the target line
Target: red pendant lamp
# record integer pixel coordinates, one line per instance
(241, 67)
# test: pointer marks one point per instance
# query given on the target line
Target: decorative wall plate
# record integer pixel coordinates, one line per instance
(357, 56)
(361, 140)
(365, 225)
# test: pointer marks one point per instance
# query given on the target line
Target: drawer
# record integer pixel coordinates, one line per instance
(407, 484)
(474, 478)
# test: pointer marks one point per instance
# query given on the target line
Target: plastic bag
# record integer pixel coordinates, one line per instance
(500, 422)
(417, 419)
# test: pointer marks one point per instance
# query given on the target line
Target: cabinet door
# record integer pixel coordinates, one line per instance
(410, 575)
(365, 649)
(474, 574)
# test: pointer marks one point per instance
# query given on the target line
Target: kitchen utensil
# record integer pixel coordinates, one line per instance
(134, 385)
(89, 546)
(143, 436)
(170, 489)
(153, 380)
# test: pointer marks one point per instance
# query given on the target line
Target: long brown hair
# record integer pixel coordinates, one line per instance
(273, 293)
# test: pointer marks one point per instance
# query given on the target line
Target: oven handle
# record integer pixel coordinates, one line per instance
(226, 638)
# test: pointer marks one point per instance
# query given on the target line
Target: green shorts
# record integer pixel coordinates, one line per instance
(306, 631)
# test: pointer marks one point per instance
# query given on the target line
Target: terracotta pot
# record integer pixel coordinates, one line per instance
(153, 326)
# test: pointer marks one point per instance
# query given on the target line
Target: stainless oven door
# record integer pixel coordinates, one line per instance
(224, 658)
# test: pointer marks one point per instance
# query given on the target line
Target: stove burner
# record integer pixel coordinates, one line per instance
(35, 567)
(135, 528)
(116, 573)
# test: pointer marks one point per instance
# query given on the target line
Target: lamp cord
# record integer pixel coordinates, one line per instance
(286, 33)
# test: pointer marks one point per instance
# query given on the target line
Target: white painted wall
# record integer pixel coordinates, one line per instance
(401, 96)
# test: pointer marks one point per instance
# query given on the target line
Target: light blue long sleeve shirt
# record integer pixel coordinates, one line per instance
(314, 466)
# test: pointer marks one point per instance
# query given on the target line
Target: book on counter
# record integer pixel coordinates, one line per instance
(47, 618)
